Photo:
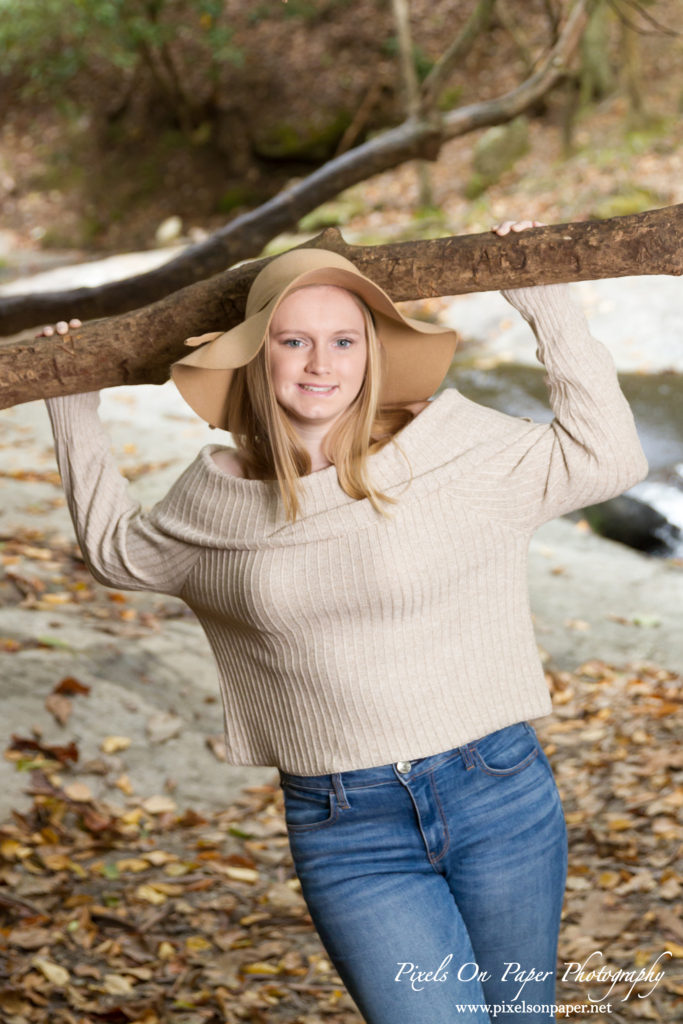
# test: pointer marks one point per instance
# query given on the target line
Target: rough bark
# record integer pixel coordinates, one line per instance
(138, 347)
(246, 235)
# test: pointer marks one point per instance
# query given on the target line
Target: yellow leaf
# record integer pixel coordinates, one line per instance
(132, 864)
(197, 944)
(159, 804)
(643, 957)
(132, 817)
(124, 784)
(55, 861)
(177, 869)
(167, 888)
(112, 744)
(240, 874)
(165, 951)
(150, 895)
(609, 879)
(619, 824)
(253, 918)
(260, 967)
(675, 950)
(159, 857)
(53, 972)
(10, 849)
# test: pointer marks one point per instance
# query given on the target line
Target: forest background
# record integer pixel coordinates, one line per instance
(136, 124)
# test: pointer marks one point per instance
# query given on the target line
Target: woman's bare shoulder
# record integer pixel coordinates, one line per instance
(228, 461)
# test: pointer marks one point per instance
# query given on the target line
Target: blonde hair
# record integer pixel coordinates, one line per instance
(270, 448)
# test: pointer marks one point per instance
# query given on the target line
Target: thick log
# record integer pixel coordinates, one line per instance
(138, 347)
(247, 234)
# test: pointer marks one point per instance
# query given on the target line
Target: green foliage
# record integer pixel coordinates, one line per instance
(238, 196)
(47, 43)
(629, 199)
(423, 63)
(450, 98)
(303, 10)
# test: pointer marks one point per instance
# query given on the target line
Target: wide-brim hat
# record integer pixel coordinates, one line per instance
(415, 354)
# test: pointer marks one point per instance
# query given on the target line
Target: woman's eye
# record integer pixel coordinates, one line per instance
(293, 342)
(344, 342)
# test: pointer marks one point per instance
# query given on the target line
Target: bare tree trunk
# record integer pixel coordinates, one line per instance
(246, 235)
(632, 74)
(138, 347)
(411, 90)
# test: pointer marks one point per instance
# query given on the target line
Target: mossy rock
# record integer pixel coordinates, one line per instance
(495, 152)
(313, 140)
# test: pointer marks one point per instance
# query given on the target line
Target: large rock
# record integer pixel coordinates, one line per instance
(632, 521)
(495, 152)
(314, 139)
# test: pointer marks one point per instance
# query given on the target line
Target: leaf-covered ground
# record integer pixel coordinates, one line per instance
(138, 914)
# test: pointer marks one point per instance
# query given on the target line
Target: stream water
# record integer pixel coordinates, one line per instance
(657, 404)
(656, 400)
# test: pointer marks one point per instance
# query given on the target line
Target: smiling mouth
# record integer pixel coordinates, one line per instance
(318, 389)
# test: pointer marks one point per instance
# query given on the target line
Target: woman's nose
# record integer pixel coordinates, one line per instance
(318, 360)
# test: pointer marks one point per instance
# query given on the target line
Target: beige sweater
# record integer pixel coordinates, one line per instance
(347, 639)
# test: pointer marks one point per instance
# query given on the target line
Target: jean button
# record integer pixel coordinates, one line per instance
(403, 767)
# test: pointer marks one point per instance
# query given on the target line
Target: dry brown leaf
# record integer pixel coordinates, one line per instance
(59, 707)
(55, 974)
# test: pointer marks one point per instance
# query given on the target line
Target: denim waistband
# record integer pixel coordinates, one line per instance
(362, 778)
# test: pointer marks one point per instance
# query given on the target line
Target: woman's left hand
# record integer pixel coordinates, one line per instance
(516, 225)
(62, 327)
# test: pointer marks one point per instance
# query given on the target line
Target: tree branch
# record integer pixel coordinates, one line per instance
(515, 102)
(138, 347)
(247, 234)
(435, 82)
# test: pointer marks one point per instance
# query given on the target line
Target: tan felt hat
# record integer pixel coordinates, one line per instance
(415, 354)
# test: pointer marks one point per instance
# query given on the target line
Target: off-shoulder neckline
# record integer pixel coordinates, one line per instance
(321, 476)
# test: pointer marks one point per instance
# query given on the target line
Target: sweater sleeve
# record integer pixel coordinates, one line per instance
(590, 451)
(120, 542)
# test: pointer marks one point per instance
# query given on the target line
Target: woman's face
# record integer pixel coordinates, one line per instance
(318, 354)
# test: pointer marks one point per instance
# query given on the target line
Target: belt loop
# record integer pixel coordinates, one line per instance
(339, 790)
(467, 755)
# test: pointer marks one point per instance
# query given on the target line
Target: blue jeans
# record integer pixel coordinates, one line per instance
(436, 885)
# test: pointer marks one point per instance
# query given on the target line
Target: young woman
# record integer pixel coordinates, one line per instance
(358, 562)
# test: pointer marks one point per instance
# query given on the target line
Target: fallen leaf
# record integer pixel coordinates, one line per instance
(71, 687)
(163, 726)
(112, 744)
(59, 707)
(159, 804)
(79, 792)
(51, 971)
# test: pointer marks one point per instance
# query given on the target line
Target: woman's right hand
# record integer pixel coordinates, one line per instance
(62, 327)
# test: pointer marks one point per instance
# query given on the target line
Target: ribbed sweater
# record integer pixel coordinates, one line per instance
(348, 639)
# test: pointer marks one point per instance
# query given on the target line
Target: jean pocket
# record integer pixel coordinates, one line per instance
(308, 809)
(507, 751)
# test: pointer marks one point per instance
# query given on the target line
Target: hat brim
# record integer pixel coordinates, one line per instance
(417, 354)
